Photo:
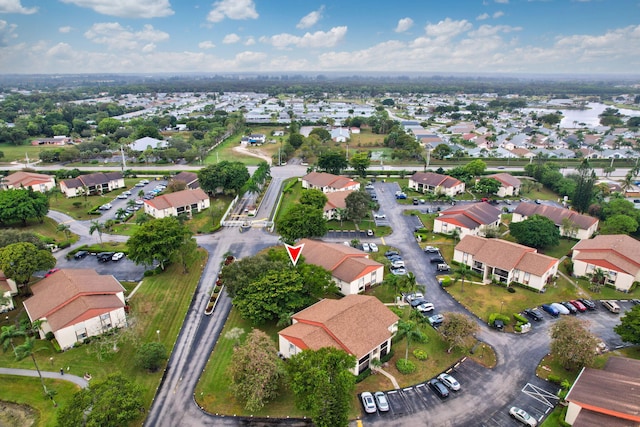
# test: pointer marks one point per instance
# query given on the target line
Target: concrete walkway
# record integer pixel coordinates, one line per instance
(45, 374)
(388, 375)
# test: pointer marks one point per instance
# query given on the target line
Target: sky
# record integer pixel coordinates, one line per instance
(300, 36)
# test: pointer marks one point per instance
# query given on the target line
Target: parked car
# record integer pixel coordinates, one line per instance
(50, 272)
(437, 260)
(588, 303)
(80, 254)
(417, 301)
(105, 256)
(390, 253)
(401, 196)
(560, 308)
(436, 319)
(572, 309)
(415, 295)
(393, 258)
(533, 314)
(449, 381)
(122, 196)
(550, 309)
(612, 306)
(381, 401)
(366, 247)
(578, 305)
(438, 388)
(373, 247)
(117, 256)
(431, 250)
(140, 184)
(370, 233)
(425, 307)
(105, 207)
(379, 216)
(397, 264)
(442, 267)
(399, 271)
(368, 402)
(522, 416)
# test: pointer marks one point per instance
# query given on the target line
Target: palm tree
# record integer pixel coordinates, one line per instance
(65, 228)
(411, 331)
(141, 194)
(97, 226)
(131, 203)
(597, 279)
(121, 213)
(26, 349)
(8, 334)
(341, 213)
(461, 272)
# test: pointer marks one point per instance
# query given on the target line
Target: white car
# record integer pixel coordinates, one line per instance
(381, 401)
(397, 264)
(425, 307)
(368, 403)
(105, 207)
(379, 216)
(366, 247)
(373, 247)
(523, 416)
(399, 271)
(122, 196)
(117, 256)
(411, 297)
(139, 202)
(127, 193)
(449, 381)
(431, 249)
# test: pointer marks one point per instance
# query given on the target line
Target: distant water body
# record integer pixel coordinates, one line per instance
(581, 118)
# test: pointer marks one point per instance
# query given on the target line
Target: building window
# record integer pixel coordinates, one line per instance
(81, 334)
(527, 278)
(105, 320)
(292, 349)
(465, 257)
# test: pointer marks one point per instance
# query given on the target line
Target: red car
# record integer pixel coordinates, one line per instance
(50, 272)
(578, 305)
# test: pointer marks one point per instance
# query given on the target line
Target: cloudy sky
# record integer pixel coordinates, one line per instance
(430, 36)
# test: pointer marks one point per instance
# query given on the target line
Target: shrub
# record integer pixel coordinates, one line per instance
(498, 316)
(446, 281)
(64, 244)
(518, 328)
(554, 379)
(387, 356)
(148, 273)
(363, 375)
(405, 366)
(420, 354)
(49, 336)
(520, 318)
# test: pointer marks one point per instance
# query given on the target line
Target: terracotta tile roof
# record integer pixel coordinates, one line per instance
(615, 252)
(471, 215)
(83, 308)
(26, 179)
(177, 199)
(336, 199)
(555, 214)
(332, 256)
(323, 179)
(506, 255)
(506, 179)
(435, 179)
(52, 294)
(613, 390)
(355, 323)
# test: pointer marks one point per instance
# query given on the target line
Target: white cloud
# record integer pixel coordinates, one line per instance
(14, 6)
(502, 1)
(490, 30)
(249, 57)
(314, 40)
(310, 19)
(7, 32)
(115, 36)
(231, 38)
(127, 8)
(498, 14)
(232, 9)
(250, 41)
(65, 30)
(448, 28)
(207, 44)
(482, 17)
(403, 25)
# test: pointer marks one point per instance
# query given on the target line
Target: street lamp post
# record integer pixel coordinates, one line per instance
(158, 334)
(501, 305)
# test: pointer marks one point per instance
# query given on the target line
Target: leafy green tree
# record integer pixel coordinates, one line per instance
(228, 177)
(487, 186)
(597, 279)
(238, 275)
(461, 272)
(26, 350)
(323, 384)
(537, 231)
(115, 401)
(157, 240)
(8, 334)
(411, 331)
(360, 161)
(323, 134)
(98, 227)
(151, 355)
(572, 345)
(22, 205)
(20, 260)
(256, 371)
(108, 125)
(585, 182)
(475, 167)
(333, 161)
(358, 205)
(629, 327)
(619, 224)
(457, 328)
(302, 221)
(314, 198)
(10, 236)
(296, 140)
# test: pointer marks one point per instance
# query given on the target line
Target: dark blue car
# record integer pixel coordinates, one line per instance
(551, 310)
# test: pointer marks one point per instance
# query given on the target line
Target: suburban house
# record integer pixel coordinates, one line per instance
(56, 140)
(257, 138)
(474, 219)
(350, 268)
(505, 262)
(509, 184)
(429, 182)
(571, 223)
(173, 204)
(328, 183)
(8, 289)
(95, 183)
(147, 142)
(617, 255)
(190, 179)
(35, 181)
(76, 304)
(360, 325)
(340, 135)
(335, 201)
(606, 397)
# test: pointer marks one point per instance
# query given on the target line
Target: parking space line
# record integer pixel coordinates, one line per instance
(540, 394)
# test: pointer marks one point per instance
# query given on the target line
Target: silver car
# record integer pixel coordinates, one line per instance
(523, 416)
(368, 402)
(381, 401)
(449, 381)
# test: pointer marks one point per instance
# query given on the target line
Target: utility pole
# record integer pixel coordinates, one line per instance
(124, 163)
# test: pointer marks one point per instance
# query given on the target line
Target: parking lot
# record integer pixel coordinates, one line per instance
(123, 270)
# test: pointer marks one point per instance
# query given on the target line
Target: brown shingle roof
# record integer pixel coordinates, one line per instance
(477, 213)
(355, 323)
(506, 255)
(435, 179)
(26, 179)
(336, 199)
(331, 256)
(323, 179)
(506, 179)
(617, 250)
(177, 199)
(189, 178)
(92, 179)
(53, 293)
(555, 214)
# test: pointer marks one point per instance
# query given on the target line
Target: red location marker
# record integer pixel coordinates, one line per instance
(294, 252)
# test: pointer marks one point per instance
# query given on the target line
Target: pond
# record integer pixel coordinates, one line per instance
(587, 117)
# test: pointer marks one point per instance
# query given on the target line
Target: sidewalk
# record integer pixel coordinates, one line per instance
(45, 374)
(388, 375)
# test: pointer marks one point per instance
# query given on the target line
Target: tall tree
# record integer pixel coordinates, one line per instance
(25, 350)
(456, 329)
(20, 260)
(314, 198)
(227, 177)
(158, 240)
(22, 205)
(411, 331)
(572, 345)
(358, 205)
(302, 221)
(537, 231)
(585, 182)
(151, 355)
(256, 371)
(461, 272)
(333, 161)
(629, 327)
(487, 186)
(323, 384)
(98, 227)
(475, 167)
(360, 161)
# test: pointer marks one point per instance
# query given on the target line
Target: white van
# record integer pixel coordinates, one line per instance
(612, 306)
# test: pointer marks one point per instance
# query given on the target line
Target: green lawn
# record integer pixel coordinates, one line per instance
(160, 303)
(18, 152)
(561, 249)
(47, 230)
